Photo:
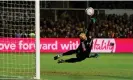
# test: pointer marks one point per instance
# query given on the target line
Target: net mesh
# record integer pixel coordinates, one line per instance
(17, 22)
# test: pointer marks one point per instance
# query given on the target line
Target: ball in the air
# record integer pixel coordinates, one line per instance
(89, 11)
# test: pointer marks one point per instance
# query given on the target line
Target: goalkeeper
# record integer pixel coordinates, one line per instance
(83, 50)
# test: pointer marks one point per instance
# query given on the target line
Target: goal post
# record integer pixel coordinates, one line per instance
(19, 39)
(37, 22)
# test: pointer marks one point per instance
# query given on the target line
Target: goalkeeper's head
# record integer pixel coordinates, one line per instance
(82, 36)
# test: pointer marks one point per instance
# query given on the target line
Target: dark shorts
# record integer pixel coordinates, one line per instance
(82, 55)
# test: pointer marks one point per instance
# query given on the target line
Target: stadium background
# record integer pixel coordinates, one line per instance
(69, 18)
(114, 19)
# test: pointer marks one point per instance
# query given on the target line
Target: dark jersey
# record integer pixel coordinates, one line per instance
(85, 45)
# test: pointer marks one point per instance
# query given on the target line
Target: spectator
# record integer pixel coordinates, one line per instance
(24, 34)
(17, 34)
(130, 34)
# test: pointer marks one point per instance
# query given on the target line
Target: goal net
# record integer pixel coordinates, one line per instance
(17, 40)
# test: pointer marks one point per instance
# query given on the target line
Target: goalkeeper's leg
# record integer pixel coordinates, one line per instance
(90, 55)
(64, 54)
(79, 57)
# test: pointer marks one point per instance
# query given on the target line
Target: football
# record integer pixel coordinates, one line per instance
(89, 11)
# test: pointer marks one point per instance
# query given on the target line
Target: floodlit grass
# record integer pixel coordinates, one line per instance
(105, 67)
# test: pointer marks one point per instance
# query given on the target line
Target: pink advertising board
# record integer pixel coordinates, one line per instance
(59, 45)
(124, 45)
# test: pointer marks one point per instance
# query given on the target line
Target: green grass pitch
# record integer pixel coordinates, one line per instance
(105, 67)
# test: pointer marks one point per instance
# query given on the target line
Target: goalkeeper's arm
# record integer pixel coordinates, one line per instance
(90, 26)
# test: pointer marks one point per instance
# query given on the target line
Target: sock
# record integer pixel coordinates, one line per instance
(92, 55)
(59, 55)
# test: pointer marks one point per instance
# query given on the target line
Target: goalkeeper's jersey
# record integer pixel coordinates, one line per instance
(85, 45)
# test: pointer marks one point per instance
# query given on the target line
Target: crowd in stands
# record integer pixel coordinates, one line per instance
(61, 28)
(108, 26)
(17, 31)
